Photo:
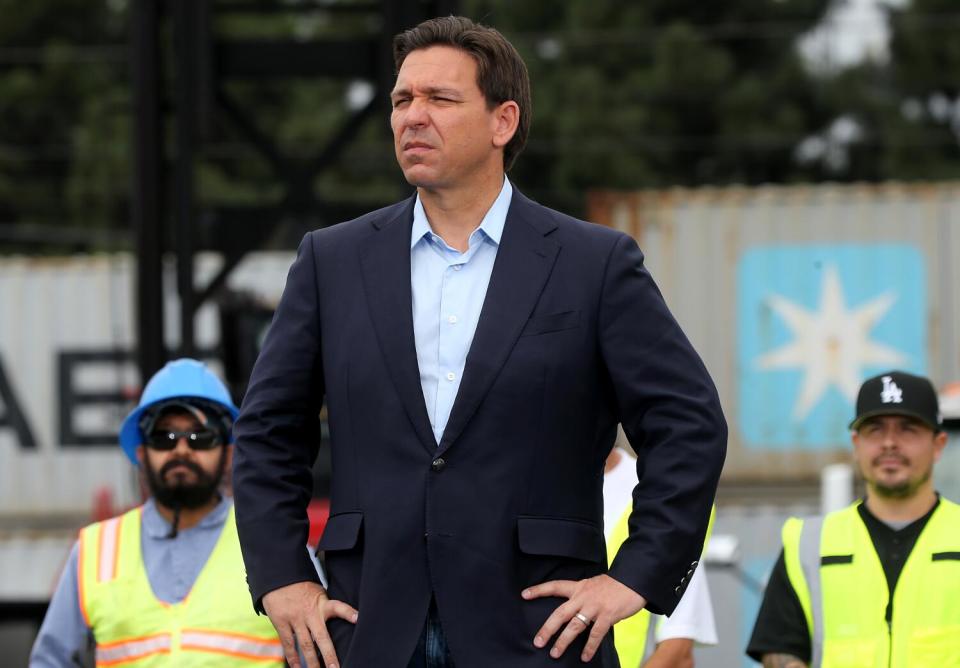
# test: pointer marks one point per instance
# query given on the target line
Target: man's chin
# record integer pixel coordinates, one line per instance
(895, 489)
(185, 496)
(420, 176)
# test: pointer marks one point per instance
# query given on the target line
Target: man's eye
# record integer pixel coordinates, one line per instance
(400, 101)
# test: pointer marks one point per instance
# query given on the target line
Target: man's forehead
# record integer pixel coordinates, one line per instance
(442, 66)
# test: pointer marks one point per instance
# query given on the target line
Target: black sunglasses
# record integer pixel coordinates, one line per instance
(200, 439)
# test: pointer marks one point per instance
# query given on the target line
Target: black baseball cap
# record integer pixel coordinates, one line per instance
(898, 393)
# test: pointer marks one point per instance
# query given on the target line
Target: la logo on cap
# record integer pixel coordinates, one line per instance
(891, 393)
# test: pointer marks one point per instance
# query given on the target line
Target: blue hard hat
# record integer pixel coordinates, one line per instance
(183, 379)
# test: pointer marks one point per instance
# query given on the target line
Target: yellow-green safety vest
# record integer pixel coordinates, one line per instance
(835, 571)
(214, 626)
(630, 634)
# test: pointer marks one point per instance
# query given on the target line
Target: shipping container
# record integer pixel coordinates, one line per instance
(794, 295)
(68, 374)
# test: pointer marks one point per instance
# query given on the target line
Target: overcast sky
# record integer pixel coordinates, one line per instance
(853, 30)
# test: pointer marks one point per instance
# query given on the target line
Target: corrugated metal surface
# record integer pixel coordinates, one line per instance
(884, 254)
(736, 589)
(84, 304)
(31, 563)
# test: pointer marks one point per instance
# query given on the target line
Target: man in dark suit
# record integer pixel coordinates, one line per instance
(476, 352)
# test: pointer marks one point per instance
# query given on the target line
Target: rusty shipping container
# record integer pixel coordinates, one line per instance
(793, 295)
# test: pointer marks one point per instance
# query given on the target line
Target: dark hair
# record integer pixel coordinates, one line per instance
(501, 72)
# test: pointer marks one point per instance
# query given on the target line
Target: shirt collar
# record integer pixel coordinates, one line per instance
(491, 225)
(156, 527)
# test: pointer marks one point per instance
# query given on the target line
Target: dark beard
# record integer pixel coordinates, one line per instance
(904, 490)
(179, 495)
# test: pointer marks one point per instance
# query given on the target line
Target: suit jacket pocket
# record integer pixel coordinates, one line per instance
(558, 537)
(554, 322)
(342, 532)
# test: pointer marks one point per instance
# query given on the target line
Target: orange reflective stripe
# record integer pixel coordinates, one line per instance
(81, 578)
(132, 649)
(109, 548)
(239, 645)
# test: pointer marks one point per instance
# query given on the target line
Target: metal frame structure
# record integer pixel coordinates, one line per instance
(164, 189)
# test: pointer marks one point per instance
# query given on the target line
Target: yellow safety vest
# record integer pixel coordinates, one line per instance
(630, 634)
(834, 569)
(215, 625)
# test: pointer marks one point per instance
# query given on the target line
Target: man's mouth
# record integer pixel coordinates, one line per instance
(178, 468)
(888, 462)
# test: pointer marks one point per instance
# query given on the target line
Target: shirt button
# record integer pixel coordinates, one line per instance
(451, 376)
(457, 267)
(452, 320)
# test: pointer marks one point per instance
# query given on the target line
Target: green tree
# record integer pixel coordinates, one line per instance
(663, 93)
(63, 104)
(626, 95)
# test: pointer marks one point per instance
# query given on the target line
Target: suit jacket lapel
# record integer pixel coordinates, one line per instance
(385, 268)
(524, 261)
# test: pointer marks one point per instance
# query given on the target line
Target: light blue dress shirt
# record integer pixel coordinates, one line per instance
(448, 292)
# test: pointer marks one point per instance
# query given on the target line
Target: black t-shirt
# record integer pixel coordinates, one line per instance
(781, 627)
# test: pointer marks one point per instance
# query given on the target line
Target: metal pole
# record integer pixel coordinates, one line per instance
(186, 100)
(146, 210)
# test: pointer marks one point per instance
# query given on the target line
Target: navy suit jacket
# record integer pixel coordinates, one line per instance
(574, 338)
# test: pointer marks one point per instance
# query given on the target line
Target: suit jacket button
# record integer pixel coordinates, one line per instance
(438, 464)
(676, 591)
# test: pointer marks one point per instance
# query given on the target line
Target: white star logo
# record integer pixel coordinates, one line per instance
(831, 344)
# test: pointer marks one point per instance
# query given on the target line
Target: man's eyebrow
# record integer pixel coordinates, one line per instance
(439, 90)
(429, 90)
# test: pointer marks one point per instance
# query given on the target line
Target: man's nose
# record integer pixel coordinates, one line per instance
(415, 115)
(183, 445)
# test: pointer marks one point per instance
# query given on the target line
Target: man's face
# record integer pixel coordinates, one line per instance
(182, 476)
(444, 134)
(896, 454)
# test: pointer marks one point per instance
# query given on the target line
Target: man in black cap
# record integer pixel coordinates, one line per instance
(878, 583)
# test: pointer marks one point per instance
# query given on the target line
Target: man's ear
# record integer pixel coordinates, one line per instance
(506, 120)
(939, 442)
(141, 454)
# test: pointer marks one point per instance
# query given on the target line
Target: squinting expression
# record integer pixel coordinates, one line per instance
(443, 130)
(896, 454)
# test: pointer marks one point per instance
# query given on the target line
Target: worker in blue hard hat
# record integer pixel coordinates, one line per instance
(124, 591)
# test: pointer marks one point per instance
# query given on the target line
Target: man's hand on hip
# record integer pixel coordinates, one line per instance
(300, 612)
(598, 602)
